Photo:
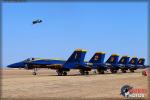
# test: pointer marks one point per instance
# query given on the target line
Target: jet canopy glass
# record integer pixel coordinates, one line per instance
(29, 59)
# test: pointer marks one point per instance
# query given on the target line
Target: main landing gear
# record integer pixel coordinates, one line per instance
(84, 72)
(131, 70)
(113, 71)
(61, 73)
(123, 70)
(100, 71)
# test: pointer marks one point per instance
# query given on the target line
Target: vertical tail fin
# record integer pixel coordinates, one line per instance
(124, 60)
(98, 57)
(133, 61)
(113, 59)
(77, 56)
(141, 61)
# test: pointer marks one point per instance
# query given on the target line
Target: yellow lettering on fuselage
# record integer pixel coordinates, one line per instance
(112, 59)
(122, 60)
(132, 61)
(96, 57)
(140, 61)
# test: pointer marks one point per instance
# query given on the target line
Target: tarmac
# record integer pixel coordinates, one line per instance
(20, 83)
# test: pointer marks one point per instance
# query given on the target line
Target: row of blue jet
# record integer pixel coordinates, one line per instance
(76, 61)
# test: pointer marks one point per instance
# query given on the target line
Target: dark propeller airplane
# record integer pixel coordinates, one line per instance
(37, 21)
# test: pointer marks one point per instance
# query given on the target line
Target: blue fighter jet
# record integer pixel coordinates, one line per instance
(98, 62)
(141, 63)
(131, 65)
(136, 64)
(123, 62)
(112, 63)
(75, 61)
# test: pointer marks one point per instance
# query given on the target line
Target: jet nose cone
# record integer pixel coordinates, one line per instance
(17, 65)
(10, 66)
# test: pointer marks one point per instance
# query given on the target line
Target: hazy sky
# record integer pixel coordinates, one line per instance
(109, 27)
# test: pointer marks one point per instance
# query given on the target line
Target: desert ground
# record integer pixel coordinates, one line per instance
(20, 83)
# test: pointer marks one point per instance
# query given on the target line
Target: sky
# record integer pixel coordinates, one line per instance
(113, 28)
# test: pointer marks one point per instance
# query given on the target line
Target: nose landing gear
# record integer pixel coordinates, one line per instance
(34, 71)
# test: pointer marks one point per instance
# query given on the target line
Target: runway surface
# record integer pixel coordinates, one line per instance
(22, 84)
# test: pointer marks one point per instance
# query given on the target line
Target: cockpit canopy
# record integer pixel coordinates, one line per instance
(29, 59)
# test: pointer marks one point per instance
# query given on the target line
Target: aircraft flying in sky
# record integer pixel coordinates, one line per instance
(37, 21)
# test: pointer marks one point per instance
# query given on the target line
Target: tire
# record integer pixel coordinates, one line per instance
(115, 71)
(131, 70)
(59, 72)
(123, 71)
(87, 73)
(82, 72)
(112, 71)
(34, 73)
(64, 73)
(100, 71)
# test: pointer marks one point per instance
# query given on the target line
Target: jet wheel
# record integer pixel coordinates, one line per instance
(100, 71)
(131, 70)
(86, 73)
(59, 73)
(123, 71)
(82, 72)
(113, 71)
(34, 73)
(64, 73)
